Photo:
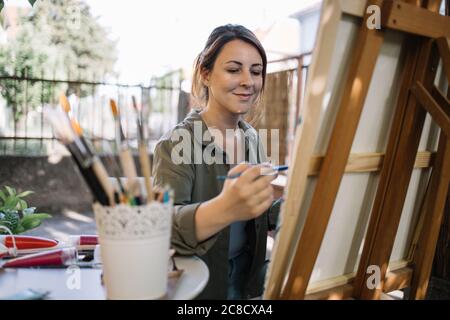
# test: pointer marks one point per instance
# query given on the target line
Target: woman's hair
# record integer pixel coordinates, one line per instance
(216, 41)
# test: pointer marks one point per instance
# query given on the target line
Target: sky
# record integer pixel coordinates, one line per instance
(155, 37)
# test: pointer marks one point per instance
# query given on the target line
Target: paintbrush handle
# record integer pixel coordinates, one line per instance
(237, 175)
(103, 177)
(129, 169)
(88, 175)
(146, 170)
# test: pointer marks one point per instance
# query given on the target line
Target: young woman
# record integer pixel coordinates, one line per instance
(223, 221)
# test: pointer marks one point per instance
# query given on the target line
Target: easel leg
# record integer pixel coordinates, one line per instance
(368, 45)
(395, 176)
(434, 209)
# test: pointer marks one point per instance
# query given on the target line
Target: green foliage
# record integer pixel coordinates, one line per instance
(24, 57)
(15, 213)
(57, 39)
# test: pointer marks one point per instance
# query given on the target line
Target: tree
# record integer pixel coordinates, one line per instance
(24, 57)
(59, 39)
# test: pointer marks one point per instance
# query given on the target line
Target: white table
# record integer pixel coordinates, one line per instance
(58, 281)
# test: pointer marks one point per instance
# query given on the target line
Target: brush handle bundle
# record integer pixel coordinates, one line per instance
(91, 168)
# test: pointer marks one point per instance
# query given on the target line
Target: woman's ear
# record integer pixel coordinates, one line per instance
(205, 77)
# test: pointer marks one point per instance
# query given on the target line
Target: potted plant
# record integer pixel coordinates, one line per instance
(15, 213)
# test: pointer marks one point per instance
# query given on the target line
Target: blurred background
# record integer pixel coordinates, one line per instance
(96, 50)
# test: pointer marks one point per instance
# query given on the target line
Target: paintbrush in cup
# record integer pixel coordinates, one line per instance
(82, 157)
(143, 152)
(125, 156)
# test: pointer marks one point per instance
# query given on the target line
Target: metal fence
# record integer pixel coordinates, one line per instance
(23, 129)
(297, 67)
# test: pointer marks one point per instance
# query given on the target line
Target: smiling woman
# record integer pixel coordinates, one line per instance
(230, 64)
(235, 82)
(223, 222)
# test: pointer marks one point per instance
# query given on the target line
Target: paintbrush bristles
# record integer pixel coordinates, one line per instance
(114, 109)
(76, 127)
(66, 108)
(64, 103)
(60, 124)
(135, 106)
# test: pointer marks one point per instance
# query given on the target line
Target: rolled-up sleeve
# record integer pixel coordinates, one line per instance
(180, 177)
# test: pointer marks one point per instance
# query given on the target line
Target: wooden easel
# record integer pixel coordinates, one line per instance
(428, 38)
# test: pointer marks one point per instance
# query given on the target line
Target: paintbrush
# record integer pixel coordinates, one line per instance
(271, 171)
(125, 156)
(97, 166)
(116, 114)
(64, 132)
(143, 153)
(112, 164)
(99, 169)
(64, 102)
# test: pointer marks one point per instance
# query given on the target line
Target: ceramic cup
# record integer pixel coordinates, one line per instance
(134, 245)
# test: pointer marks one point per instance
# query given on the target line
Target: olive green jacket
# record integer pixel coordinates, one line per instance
(194, 182)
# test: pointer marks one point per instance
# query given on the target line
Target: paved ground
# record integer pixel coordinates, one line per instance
(60, 226)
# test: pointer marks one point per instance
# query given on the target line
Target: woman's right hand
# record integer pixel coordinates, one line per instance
(248, 196)
(243, 198)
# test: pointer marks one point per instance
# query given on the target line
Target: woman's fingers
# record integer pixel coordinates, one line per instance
(261, 183)
(251, 183)
(241, 167)
(263, 195)
(252, 192)
(256, 172)
(250, 174)
(263, 206)
(246, 190)
(257, 185)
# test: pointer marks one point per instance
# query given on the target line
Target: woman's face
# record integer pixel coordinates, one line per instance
(235, 81)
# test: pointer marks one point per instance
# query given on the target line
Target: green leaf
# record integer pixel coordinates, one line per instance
(33, 221)
(2, 195)
(24, 194)
(11, 191)
(36, 216)
(22, 205)
(5, 223)
(30, 224)
(32, 2)
(11, 203)
(1, 5)
(19, 229)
